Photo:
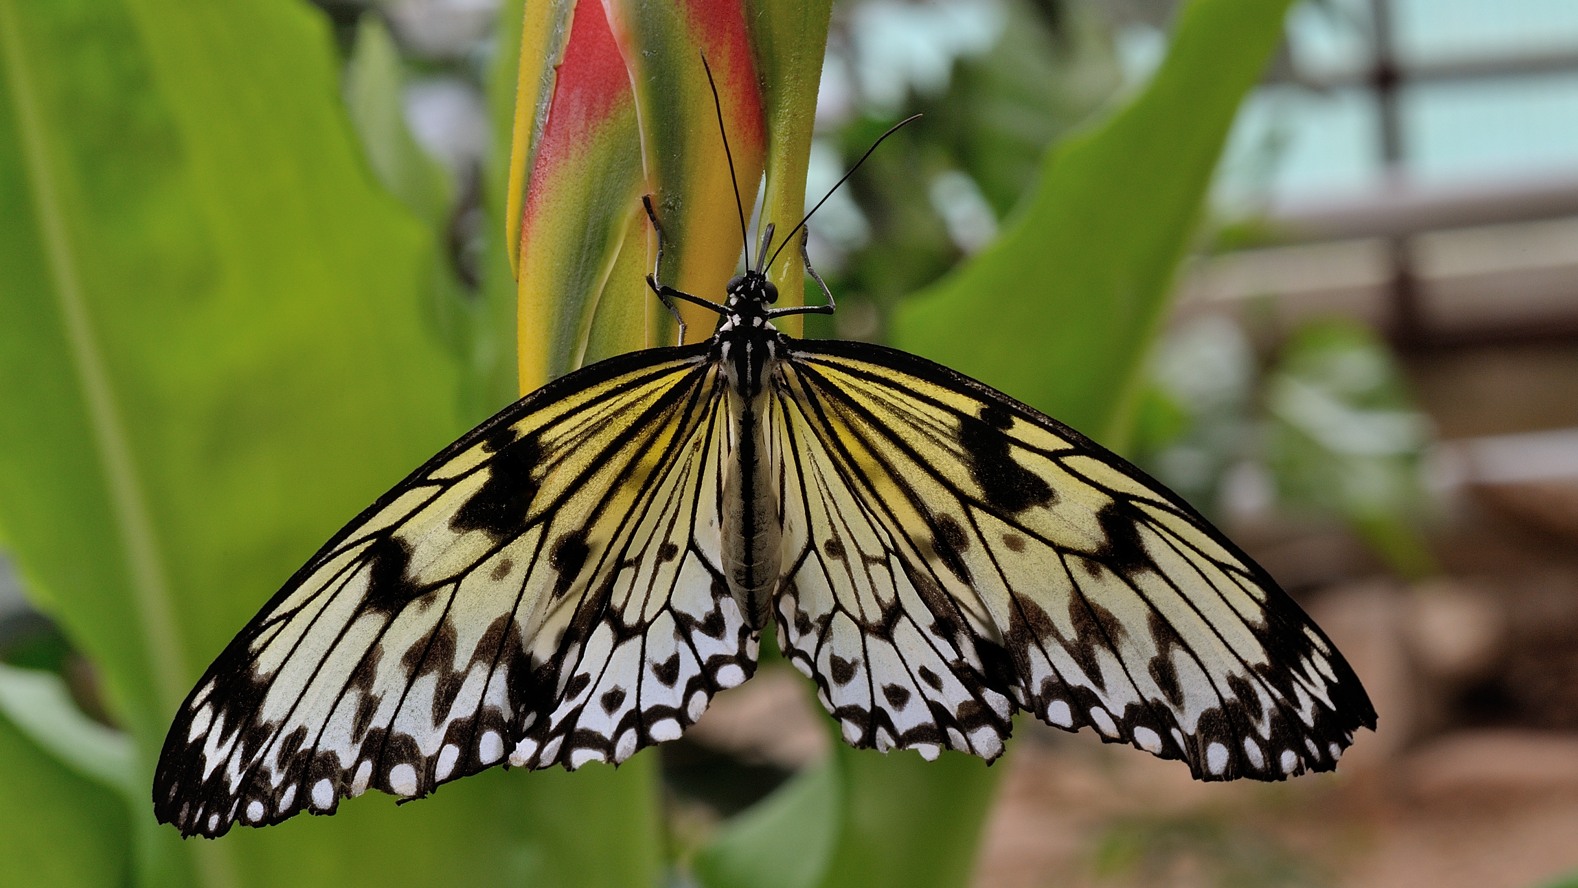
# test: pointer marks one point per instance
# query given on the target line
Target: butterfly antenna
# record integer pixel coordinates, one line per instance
(739, 206)
(891, 130)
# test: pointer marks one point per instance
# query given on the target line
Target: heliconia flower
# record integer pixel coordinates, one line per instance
(613, 104)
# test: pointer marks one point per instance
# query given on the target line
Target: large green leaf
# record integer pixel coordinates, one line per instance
(1061, 308)
(216, 347)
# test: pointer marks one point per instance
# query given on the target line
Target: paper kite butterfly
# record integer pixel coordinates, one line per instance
(574, 579)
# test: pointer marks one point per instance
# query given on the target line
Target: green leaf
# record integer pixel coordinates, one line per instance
(908, 822)
(217, 347)
(786, 841)
(57, 827)
(1061, 308)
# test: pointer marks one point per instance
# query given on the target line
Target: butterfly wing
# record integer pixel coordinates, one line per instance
(950, 550)
(545, 590)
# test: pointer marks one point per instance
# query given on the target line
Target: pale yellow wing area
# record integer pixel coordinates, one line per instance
(544, 591)
(948, 547)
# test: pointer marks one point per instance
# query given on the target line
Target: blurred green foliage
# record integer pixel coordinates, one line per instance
(1198, 849)
(1327, 419)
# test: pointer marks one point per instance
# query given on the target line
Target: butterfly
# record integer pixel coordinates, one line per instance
(577, 577)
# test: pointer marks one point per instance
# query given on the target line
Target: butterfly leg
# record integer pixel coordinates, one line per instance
(665, 293)
(805, 258)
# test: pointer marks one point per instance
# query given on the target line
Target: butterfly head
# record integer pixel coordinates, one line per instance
(752, 287)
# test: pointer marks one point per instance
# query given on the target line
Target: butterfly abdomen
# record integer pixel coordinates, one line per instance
(752, 528)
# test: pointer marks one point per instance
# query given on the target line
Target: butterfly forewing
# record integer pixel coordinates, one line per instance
(485, 608)
(1111, 602)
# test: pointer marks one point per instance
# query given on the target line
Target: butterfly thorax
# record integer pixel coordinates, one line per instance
(746, 343)
(746, 346)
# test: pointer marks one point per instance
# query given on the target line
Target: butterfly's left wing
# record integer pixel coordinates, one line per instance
(545, 591)
(951, 553)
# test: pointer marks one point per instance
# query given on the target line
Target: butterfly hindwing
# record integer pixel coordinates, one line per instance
(651, 630)
(1045, 569)
(860, 609)
(481, 611)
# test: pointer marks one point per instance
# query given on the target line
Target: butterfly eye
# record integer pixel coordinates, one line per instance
(734, 284)
(771, 290)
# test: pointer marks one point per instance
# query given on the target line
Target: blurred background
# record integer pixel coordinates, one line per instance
(1370, 379)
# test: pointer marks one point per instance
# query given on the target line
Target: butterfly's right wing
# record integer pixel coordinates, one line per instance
(952, 554)
(545, 590)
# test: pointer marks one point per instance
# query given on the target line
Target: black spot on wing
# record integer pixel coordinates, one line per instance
(388, 587)
(713, 625)
(841, 670)
(567, 558)
(499, 506)
(499, 439)
(1007, 485)
(577, 684)
(1124, 551)
(1246, 697)
(667, 671)
(950, 542)
(612, 699)
(1166, 640)
(1165, 674)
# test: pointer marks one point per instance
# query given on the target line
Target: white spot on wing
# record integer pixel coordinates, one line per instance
(490, 748)
(524, 750)
(364, 774)
(852, 733)
(1059, 714)
(731, 675)
(1252, 749)
(1103, 721)
(322, 794)
(200, 722)
(1148, 740)
(254, 810)
(583, 755)
(402, 779)
(1216, 759)
(1290, 761)
(985, 742)
(667, 729)
(446, 761)
(626, 747)
(286, 798)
